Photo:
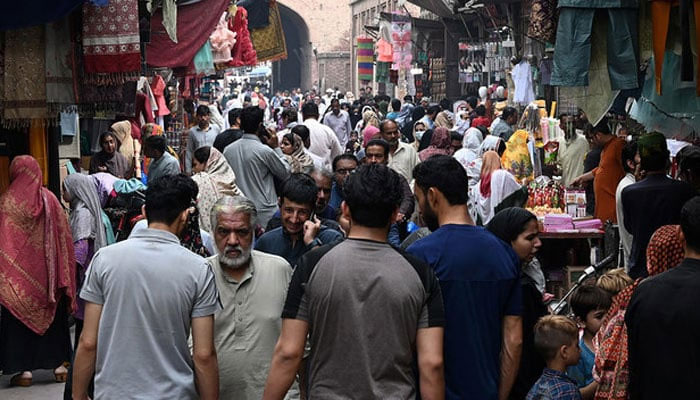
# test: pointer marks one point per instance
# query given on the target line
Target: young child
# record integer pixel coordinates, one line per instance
(614, 281)
(589, 304)
(556, 338)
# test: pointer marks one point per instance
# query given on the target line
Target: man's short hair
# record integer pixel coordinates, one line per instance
(203, 110)
(291, 115)
(602, 127)
(233, 205)
(380, 142)
(302, 131)
(383, 124)
(202, 154)
(433, 110)
(445, 104)
(552, 332)
(322, 172)
(690, 223)
(445, 174)
(373, 193)
(344, 156)
(628, 154)
(396, 105)
(335, 101)
(480, 111)
(309, 110)
(234, 115)
(614, 281)
(508, 112)
(156, 142)
(653, 152)
(168, 196)
(689, 159)
(251, 118)
(472, 101)
(589, 298)
(300, 188)
(408, 98)
(456, 136)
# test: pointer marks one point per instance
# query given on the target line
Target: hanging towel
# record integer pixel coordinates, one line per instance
(204, 60)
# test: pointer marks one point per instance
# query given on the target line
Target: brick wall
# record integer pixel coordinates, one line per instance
(334, 70)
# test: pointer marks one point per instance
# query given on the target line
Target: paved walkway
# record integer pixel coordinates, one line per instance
(43, 387)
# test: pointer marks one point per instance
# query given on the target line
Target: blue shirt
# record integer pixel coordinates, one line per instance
(279, 243)
(554, 385)
(582, 373)
(478, 276)
(336, 197)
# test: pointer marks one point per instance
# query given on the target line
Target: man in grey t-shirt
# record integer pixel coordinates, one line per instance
(142, 297)
(369, 308)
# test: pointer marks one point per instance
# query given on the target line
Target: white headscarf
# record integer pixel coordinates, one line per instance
(503, 184)
(461, 125)
(470, 147)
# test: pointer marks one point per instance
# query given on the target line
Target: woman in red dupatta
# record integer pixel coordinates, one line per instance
(37, 276)
(611, 368)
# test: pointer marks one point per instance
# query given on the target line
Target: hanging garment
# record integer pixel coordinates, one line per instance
(198, 20)
(59, 68)
(572, 53)
(522, 78)
(401, 41)
(543, 20)
(269, 42)
(158, 87)
(385, 52)
(382, 72)
(660, 15)
(365, 59)
(222, 41)
(243, 53)
(204, 61)
(111, 40)
(25, 76)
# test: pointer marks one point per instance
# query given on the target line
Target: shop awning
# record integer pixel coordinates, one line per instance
(442, 8)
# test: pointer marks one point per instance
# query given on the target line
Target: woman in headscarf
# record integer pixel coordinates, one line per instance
(440, 143)
(495, 184)
(109, 159)
(470, 147)
(611, 368)
(129, 147)
(404, 115)
(516, 158)
(89, 232)
(215, 179)
(293, 149)
(490, 143)
(369, 117)
(418, 131)
(355, 116)
(518, 228)
(443, 121)
(37, 277)
(462, 122)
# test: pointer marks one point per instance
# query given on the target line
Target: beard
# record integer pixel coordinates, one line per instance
(235, 262)
(429, 216)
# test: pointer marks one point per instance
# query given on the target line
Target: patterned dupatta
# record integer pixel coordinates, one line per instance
(37, 260)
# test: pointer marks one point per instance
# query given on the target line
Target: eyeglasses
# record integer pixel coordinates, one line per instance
(344, 171)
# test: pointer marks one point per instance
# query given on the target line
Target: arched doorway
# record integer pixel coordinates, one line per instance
(295, 71)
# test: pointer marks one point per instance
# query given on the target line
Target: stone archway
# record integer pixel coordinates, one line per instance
(295, 71)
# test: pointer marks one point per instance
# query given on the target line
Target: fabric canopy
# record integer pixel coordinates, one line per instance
(196, 22)
(21, 14)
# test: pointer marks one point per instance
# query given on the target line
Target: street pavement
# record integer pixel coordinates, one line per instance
(43, 388)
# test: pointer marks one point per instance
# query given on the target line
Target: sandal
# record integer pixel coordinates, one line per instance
(19, 380)
(63, 375)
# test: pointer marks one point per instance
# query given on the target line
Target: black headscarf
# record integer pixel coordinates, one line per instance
(509, 223)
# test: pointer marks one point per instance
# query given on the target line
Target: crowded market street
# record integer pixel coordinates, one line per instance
(355, 199)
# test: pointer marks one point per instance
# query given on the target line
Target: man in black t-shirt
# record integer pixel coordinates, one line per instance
(232, 134)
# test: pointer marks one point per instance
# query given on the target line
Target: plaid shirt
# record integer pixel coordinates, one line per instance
(554, 385)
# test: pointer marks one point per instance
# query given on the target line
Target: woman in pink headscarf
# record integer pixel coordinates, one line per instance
(440, 144)
(368, 134)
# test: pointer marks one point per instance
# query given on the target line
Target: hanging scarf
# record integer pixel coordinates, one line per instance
(299, 160)
(611, 367)
(111, 40)
(214, 182)
(86, 212)
(60, 92)
(440, 144)
(25, 77)
(37, 260)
